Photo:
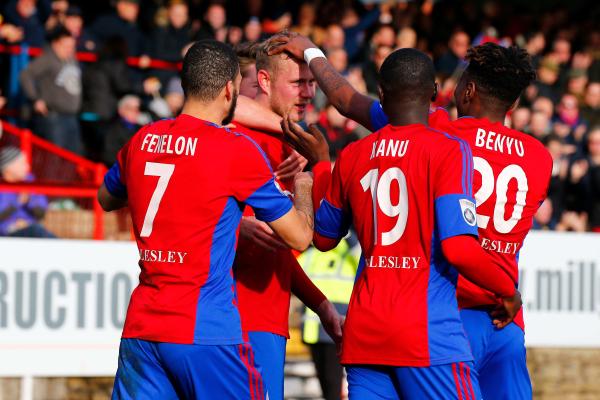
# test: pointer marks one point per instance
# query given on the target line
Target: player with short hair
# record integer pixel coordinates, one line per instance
(186, 182)
(513, 175)
(407, 190)
(266, 271)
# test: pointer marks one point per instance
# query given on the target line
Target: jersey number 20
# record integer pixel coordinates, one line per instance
(512, 171)
(381, 194)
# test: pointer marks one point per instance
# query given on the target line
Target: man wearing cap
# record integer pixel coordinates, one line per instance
(20, 213)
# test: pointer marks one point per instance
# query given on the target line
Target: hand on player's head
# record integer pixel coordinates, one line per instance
(293, 44)
(311, 145)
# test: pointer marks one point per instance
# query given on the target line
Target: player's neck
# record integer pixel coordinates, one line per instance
(492, 116)
(409, 117)
(263, 100)
(203, 111)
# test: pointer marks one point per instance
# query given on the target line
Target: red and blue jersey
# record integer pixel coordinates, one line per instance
(512, 174)
(404, 189)
(264, 277)
(187, 182)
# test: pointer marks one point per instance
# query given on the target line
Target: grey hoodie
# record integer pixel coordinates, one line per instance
(56, 82)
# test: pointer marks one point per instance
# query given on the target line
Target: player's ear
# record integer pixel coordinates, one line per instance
(470, 90)
(380, 93)
(264, 81)
(435, 92)
(229, 90)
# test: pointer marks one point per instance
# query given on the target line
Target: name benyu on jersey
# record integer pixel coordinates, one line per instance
(499, 142)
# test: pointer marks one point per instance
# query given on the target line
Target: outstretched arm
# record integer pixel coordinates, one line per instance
(347, 100)
(253, 115)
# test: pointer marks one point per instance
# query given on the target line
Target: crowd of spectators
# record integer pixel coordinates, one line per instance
(93, 107)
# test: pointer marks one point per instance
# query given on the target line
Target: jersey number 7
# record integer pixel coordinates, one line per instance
(164, 172)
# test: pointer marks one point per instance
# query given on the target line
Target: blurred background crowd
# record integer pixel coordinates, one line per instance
(108, 67)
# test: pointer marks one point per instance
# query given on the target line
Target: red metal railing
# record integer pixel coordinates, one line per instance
(90, 174)
(91, 57)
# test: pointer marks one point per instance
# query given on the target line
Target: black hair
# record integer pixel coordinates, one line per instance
(57, 33)
(407, 74)
(500, 73)
(207, 67)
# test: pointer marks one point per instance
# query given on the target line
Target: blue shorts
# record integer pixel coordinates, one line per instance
(152, 370)
(448, 381)
(269, 351)
(500, 357)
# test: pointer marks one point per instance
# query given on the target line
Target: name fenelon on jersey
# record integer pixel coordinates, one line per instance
(164, 144)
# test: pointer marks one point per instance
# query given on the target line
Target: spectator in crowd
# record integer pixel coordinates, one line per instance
(536, 42)
(590, 111)
(585, 176)
(123, 127)
(454, 57)
(354, 28)
(214, 24)
(74, 23)
(407, 38)
(539, 125)
(520, 119)
(168, 42)
(252, 30)
(543, 105)
(556, 187)
(58, 13)
(20, 213)
(122, 23)
(30, 16)
(546, 86)
(306, 19)
(334, 38)
(52, 82)
(371, 68)
(567, 122)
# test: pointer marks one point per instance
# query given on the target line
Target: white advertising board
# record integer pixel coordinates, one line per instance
(63, 302)
(560, 283)
(62, 305)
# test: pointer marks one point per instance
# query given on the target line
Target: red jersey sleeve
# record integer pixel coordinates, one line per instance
(252, 182)
(333, 218)
(452, 186)
(322, 179)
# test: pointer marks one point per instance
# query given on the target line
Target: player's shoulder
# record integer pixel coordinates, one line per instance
(534, 148)
(444, 139)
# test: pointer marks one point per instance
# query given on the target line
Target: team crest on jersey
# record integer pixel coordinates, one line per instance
(468, 211)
